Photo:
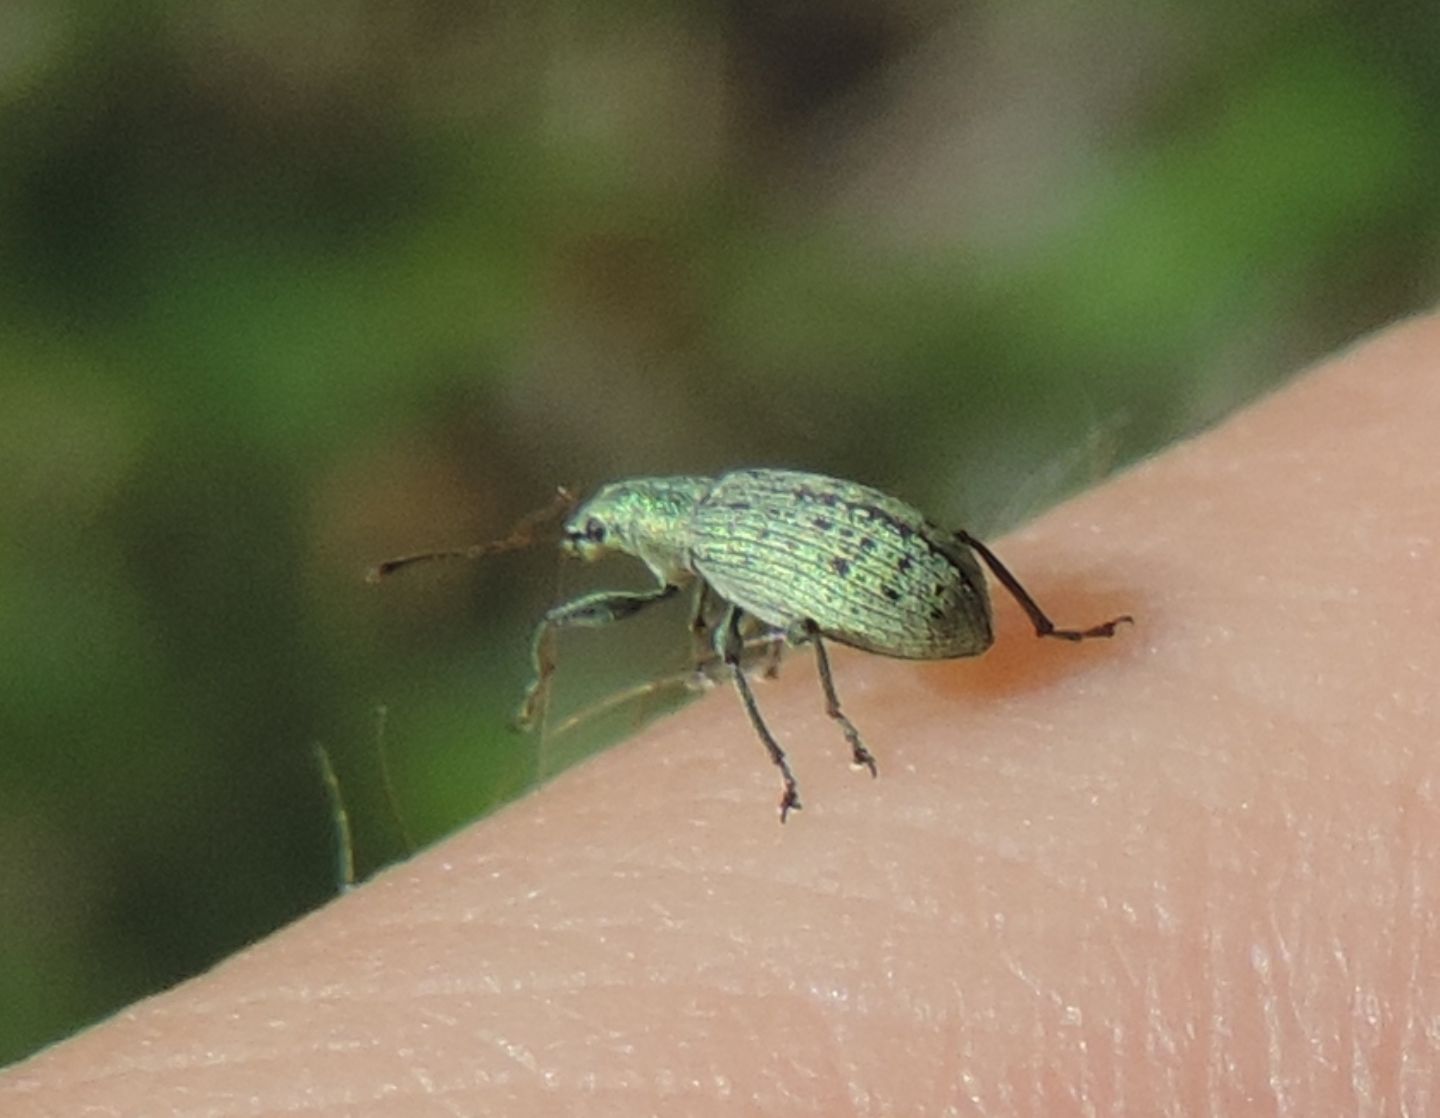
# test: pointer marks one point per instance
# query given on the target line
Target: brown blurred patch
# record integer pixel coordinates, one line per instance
(1019, 661)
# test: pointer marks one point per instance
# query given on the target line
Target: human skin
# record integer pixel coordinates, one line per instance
(1191, 870)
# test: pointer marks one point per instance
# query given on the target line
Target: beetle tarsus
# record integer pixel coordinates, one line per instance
(1107, 629)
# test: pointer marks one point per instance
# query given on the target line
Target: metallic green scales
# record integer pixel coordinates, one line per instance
(867, 569)
(648, 518)
(783, 555)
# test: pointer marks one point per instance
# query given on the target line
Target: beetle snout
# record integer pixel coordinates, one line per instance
(584, 537)
(577, 545)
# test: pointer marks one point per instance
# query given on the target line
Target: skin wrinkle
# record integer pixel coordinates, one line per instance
(1416, 1089)
(1235, 802)
(1416, 918)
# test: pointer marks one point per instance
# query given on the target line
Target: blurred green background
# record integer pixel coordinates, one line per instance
(287, 289)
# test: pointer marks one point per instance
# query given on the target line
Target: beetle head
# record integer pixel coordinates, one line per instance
(645, 517)
(587, 535)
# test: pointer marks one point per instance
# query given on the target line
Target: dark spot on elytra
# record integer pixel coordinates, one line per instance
(930, 534)
(937, 614)
(840, 565)
(903, 564)
(939, 590)
(867, 543)
(822, 523)
(805, 493)
(740, 506)
(891, 593)
(902, 528)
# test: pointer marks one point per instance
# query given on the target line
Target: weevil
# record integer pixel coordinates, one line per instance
(793, 556)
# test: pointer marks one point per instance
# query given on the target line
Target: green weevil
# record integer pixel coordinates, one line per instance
(793, 556)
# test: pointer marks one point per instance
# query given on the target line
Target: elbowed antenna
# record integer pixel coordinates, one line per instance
(522, 535)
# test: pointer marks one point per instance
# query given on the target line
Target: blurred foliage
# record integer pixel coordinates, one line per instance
(287, 289)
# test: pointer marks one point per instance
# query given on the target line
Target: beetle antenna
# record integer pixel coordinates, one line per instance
(522, 535)
(1044, 627)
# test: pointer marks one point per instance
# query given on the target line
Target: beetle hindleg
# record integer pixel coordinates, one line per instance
(730, 644)
(588, 612)
(859, 754)
(1044, 627)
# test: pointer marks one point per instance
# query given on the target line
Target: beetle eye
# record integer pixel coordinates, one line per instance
(594, 531)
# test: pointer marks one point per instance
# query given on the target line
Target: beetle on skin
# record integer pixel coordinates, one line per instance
(799, 555)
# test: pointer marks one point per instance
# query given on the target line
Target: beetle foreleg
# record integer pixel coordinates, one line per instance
(1044, 627)
(589, 612)
(730, 645)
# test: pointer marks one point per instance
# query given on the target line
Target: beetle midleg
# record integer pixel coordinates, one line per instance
(730, 645)
(764, 644)
(1044, 627)
(589, 612)
(774, 650)
(859, 754)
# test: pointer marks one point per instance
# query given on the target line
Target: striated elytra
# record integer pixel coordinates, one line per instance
(789, 555)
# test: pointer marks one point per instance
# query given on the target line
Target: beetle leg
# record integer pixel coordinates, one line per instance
(860, 756)
(701, 637)
(774, 651)
(730, 645)
(589, 612)
(1044, 627)
(764, 647)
